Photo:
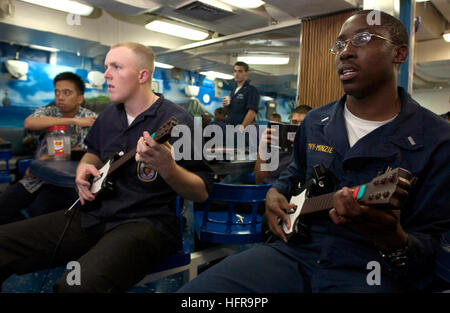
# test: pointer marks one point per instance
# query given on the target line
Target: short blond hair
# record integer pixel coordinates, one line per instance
(145, 58)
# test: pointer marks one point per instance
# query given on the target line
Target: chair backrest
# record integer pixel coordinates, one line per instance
(180, 211)
(182, 256)
(5, 174)
(236, 193)
(229, 226)
(21, 166)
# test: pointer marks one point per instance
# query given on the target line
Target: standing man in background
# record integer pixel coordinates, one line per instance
(242, 104)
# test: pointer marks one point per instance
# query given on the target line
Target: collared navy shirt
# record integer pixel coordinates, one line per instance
(140, 193)
(417, 140)
(245, 99)
(284, 159)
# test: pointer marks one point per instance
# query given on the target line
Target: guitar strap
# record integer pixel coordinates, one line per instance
(123, 159)
(71, 213)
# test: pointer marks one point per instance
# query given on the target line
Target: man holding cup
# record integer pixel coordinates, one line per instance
(242, 104)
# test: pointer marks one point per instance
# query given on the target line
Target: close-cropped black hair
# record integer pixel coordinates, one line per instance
(74, 78)
(220, 110)
(396, 29)
(302, 109)
(276, 115)
(243, 64)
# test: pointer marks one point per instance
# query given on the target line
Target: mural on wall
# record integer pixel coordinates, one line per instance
(20, 98)
(174, 89)
(37, 89)
(210, 94)
(23, 96)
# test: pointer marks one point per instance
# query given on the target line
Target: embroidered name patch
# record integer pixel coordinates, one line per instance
(146, 174)
(321, 148)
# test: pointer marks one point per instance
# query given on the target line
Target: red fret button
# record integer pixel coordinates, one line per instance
(355, 192)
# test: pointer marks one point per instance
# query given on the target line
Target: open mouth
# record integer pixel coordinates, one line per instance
(347, 72)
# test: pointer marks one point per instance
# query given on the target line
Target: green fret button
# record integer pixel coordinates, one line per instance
(362, 189)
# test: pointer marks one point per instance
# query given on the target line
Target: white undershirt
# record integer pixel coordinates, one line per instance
(236, 90)
(358, 128)
(130, 119)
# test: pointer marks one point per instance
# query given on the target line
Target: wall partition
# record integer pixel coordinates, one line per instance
(318, 81)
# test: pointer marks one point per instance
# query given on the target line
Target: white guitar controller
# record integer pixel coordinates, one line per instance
(97, 182)
(295, 212)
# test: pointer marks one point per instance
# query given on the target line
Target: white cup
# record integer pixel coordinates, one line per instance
(226, 100)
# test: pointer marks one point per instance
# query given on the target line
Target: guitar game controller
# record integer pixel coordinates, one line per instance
(386, 191)
(164, 132)
(102, 182)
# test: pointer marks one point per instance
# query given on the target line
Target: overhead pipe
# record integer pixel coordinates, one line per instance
(248, 33)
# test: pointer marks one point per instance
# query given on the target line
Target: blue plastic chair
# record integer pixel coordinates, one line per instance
(5, 176)
(22, 165)
(229, 227)
(183, 255)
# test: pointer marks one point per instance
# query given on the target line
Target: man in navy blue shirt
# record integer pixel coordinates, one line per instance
(376, 126)
(119, 237)
(242, 104)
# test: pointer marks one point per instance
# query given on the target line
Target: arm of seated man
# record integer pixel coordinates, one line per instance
(44, 122)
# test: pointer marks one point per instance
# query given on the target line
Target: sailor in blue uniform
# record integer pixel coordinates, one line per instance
(374, 128)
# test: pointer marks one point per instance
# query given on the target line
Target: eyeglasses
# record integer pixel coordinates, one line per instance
(358, 40)
(65, 92)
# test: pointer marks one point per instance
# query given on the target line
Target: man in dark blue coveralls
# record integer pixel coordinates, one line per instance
(374, 127)
(244, 99)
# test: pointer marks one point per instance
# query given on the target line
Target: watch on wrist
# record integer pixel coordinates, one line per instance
(398, 258)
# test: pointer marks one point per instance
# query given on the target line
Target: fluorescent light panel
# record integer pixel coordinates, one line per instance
(263, 59)
(446, 36)
(247, 4)
(176, 30)
(212, 74)
(267, 98)
(217, 4)
(44, 48)
(69, 6)
(163, 65)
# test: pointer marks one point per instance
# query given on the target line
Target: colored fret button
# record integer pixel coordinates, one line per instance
(362, 189)
(355, 192)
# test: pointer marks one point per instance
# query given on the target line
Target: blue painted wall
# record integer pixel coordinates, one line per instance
(23, 96)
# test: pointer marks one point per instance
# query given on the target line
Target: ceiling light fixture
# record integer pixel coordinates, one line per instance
(37, 47)
(212, 75)
(69, 6)
(247, 4)
(163, 65)
(264, 59)
(446, 35)
(217, 4)
(176, 30)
